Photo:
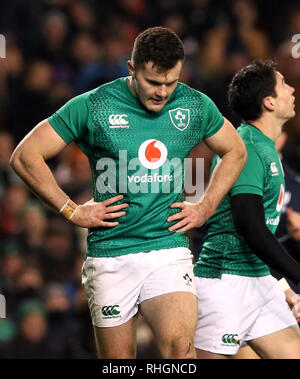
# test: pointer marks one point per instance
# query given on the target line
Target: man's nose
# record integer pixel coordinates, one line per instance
(161, 91)
(292, 89)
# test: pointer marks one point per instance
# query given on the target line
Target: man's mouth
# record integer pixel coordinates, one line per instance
(157, 101)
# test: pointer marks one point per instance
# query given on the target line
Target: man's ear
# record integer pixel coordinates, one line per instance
(131, 68)
(268, 103)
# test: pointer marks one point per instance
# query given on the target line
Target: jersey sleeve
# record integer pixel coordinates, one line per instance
(251, 179)
(212, 118)
(71, 120)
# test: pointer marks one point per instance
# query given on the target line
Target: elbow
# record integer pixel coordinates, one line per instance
(15, 161)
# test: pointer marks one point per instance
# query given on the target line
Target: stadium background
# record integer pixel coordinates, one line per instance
(56, 49)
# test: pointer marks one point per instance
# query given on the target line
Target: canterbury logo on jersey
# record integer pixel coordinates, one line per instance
(118, 121)
(274, 169)
(230, 339)
(110, 310)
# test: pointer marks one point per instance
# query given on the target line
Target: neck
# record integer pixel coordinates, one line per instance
(131, 85)
(269, 127)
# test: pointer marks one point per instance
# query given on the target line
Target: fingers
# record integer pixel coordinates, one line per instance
(97, 214)
(113, 211)
(175, 217)
(113, 215)
(115, 208)
(112, 200)
(181, 226)
(184, 224)
(185, 229)
(109, 224)
(177, 205)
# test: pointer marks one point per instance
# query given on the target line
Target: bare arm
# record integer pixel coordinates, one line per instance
(29, 162)
(230, 147)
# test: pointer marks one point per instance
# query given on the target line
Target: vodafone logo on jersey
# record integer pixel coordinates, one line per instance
(152, 153)
(280, 199)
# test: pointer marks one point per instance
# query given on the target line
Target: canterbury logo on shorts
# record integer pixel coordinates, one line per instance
(110, 311)
(187, 279)
(230, 339)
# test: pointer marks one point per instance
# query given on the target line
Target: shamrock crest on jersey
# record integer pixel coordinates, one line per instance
(180, 118)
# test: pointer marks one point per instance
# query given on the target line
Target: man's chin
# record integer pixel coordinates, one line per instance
(290, 116)
(154, 107)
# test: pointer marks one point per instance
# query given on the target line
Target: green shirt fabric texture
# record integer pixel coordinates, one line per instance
(139, 154)
(224, 249)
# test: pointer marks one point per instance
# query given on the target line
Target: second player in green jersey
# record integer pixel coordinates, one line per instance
(225, 250)
(239, 302)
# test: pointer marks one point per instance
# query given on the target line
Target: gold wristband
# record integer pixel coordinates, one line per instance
(69, 209)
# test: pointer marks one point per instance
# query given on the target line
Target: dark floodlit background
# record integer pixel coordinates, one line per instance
(57, 49)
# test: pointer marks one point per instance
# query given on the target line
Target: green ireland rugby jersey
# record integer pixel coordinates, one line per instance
(224, 250)
(139, 154)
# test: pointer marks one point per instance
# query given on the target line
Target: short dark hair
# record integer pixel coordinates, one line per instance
(159, 45)
(250, 86)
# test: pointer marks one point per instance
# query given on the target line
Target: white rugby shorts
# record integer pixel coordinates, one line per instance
(115, 286)
(236, 309)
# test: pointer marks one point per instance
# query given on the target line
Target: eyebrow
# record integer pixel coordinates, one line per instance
(159, 83)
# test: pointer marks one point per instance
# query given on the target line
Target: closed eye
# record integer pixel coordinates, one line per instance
(154, 83)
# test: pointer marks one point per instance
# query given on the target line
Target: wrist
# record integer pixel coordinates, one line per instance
(207, 208)
(283, 284)
(69, 209)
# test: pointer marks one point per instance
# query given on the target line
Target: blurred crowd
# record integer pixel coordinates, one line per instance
(56, 49)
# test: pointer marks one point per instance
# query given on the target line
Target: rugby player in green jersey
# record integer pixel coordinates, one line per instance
(239, 301)
(136, 132)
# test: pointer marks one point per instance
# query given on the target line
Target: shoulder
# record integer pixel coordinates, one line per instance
(193, 97)
(116, 90)
(84, 99)
(248, 137)
(185, 90)
(115, 85)
(251, 138)
(261, 153)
